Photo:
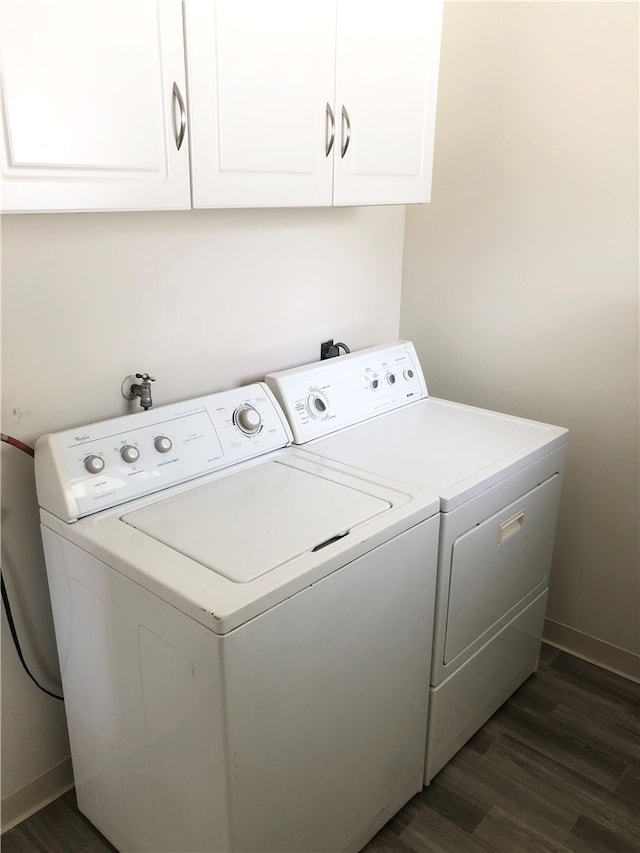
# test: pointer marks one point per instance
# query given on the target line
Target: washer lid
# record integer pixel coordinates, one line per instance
(244, 525)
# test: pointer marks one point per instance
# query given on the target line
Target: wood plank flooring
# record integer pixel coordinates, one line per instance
(557, 768)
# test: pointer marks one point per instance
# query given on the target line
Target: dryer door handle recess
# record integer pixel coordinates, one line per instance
(510, 527)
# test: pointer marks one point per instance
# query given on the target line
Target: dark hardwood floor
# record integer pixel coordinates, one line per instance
(556, 768)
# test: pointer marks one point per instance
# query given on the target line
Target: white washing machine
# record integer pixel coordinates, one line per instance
(241, 630)
(498, 478)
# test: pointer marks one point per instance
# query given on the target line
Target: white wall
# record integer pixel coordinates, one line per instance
(520, 290)
(201, 300)
(520, 284)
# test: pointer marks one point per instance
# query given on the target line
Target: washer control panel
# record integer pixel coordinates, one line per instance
(325, 396)
(93, 467)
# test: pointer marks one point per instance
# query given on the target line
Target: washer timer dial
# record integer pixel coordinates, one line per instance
(247, 419)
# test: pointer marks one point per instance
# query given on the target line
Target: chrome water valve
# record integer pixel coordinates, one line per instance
(132, 389)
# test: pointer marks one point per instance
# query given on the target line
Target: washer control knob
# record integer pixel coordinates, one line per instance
(409, 374)
(375, 384)
(163, 444)
(129, 453)
(391, 378)
(94, 464)
(247, 419)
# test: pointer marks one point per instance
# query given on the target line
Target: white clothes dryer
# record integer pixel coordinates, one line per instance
(498, 478)
(240, 627)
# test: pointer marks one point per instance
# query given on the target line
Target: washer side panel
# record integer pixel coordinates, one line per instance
(144, 703)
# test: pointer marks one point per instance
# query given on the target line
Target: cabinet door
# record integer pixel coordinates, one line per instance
(387, 62)
(261, 75)
(92, 112)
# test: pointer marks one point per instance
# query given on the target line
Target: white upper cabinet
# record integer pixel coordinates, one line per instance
(387, 62)
(312, 102)
(261, 84)
(94, 105)
(287, 103)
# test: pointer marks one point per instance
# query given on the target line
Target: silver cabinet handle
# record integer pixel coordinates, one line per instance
(345, 139)
(328, 143)
(183, 116)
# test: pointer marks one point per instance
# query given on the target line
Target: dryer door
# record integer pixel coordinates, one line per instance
(500, 564)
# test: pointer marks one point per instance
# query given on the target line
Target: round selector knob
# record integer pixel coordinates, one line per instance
(129, 453)
(391, 378)
(94, 464)
(163, 444)
(317, 405)
(247, 419)
(408, 374)
(375, 384)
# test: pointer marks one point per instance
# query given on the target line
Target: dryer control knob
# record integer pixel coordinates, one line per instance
(94, 464)
(163, 444)
(247, 419)
(129, 453)
(317, 404)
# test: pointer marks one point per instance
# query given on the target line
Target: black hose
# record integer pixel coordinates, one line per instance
(20, 445)
(16, 641)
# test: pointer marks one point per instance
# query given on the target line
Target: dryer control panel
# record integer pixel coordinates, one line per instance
(326, 396)
(81, 471)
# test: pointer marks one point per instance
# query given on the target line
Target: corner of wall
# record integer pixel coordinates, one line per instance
(591, 649)
(26, 801)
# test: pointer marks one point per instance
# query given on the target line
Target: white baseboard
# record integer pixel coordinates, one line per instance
(596, 651)
(40, 792)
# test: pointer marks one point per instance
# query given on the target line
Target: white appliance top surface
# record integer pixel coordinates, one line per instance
(231, 544)
(452, 450)
(371, 409)
(247, 524)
